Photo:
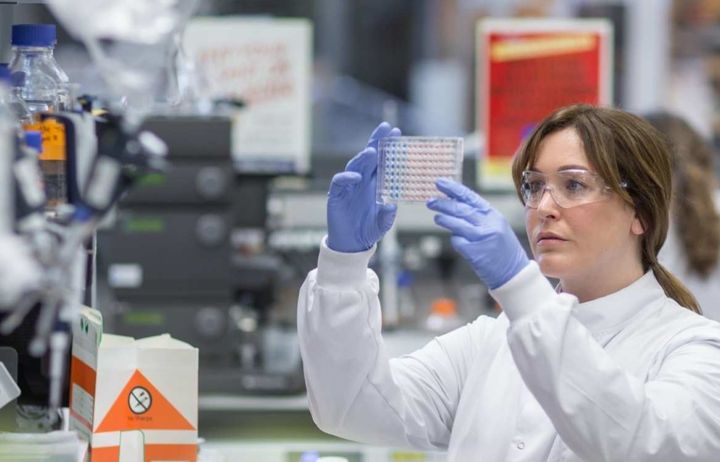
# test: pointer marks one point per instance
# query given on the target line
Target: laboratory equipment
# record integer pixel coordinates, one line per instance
(37, 323)
(18, 271)
(44, 87)
(185, 257)
(409, 166)
(37, 77)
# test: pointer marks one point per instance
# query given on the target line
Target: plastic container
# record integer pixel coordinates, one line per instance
(37, 77)
(409, 166)
(443, 316)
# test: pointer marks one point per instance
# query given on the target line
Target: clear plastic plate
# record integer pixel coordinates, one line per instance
(409, 166)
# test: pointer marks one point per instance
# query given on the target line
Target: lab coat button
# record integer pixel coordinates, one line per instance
(521, 445)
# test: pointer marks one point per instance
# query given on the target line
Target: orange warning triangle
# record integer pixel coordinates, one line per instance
(141, 406)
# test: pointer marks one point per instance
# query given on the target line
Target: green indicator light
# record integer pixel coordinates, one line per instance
(144, 318)
(145, 225)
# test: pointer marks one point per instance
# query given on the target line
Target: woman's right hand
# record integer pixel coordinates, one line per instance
(355, 220)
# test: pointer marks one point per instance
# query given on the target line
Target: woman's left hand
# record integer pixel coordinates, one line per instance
(481, 234)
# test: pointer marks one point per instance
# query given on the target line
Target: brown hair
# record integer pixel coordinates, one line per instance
(623, 149)
(693, 207)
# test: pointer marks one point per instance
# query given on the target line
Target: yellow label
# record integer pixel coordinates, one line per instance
(536, 47)
(498, 167)
(53, 138)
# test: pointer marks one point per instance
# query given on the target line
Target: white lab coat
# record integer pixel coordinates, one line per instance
(628, 377)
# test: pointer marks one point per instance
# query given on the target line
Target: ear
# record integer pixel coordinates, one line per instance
(637, 227)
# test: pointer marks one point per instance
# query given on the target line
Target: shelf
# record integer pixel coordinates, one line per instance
(253, 403)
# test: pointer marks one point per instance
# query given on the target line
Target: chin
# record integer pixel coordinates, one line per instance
(553, 266)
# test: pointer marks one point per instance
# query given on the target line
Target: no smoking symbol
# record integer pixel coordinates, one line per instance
(139, 400)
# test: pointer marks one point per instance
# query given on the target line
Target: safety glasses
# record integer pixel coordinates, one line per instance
(569, 188)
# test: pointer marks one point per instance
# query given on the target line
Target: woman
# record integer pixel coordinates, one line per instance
(614, 365)
(692, 248)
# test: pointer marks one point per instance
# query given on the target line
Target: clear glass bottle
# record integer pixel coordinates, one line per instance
(37, 77)
(23, 116)
(44, 86)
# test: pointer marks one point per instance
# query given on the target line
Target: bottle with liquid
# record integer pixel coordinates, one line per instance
(37, 77)
(38, 80)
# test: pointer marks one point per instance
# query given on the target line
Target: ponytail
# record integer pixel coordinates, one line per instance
(674, 288)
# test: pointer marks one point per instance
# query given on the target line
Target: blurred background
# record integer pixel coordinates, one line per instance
(221, 251)
(405, 50)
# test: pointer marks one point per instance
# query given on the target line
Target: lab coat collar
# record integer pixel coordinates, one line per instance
(606, 316)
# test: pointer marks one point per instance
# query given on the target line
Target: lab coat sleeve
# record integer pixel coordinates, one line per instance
(600, 411)
(354, 390)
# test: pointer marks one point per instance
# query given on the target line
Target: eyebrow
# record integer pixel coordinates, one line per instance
(564, 168)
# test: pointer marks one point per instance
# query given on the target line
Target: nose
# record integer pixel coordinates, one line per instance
(548, 206)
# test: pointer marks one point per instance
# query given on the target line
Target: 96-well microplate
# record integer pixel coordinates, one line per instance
(409, 166)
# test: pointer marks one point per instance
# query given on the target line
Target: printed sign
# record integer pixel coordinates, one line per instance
(141, 406)
(527, 69)
(266, 64)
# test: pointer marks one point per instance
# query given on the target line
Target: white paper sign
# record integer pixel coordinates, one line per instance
(267, 64)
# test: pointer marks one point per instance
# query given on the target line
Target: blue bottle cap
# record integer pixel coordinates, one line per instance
(33, 139)
(405, 279)
(33, 35)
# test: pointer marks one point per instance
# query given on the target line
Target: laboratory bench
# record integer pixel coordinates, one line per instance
(283, 436)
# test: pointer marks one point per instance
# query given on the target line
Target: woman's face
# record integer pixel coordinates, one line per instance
(592, 243)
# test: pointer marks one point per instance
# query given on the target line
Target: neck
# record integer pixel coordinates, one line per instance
(588, 287)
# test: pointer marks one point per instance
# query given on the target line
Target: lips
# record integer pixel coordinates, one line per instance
(548, 237)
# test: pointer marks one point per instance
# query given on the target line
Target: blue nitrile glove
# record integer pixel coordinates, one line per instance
(355, 220)
(480, 233)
